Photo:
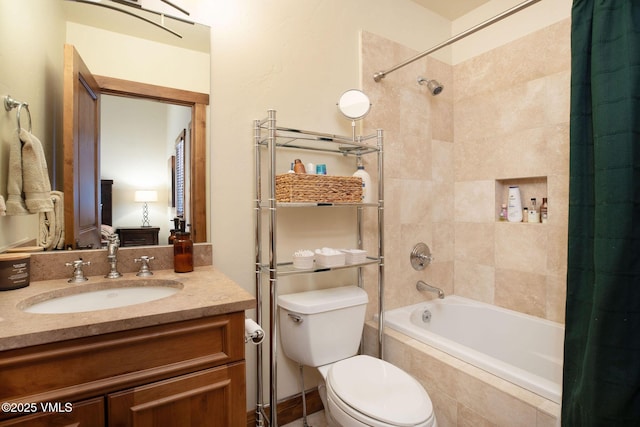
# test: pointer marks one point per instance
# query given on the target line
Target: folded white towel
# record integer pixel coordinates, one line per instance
(3, 207)
(35, 174)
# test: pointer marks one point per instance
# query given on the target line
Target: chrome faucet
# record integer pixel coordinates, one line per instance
(145, 271)
(78, 274)
(112, 256)
(422, 286)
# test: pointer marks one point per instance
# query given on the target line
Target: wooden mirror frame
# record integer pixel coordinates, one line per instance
(198, 161)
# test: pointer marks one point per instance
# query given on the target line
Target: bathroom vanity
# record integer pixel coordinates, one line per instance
(178, 360)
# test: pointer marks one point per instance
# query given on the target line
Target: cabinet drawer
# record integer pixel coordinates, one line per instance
(81, 367)
(214, 397)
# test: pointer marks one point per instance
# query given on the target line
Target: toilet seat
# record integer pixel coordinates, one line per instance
(378, 393)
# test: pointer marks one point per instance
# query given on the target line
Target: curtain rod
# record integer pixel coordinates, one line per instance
(382, 74)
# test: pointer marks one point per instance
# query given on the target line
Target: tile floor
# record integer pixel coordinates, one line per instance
(313, 420)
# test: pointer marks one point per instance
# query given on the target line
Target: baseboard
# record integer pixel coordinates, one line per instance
(291, 409)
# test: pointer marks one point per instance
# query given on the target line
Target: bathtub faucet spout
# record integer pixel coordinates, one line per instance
(422, 286)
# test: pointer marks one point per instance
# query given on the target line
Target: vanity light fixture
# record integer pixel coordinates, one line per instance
(146, 196)
(110, 4)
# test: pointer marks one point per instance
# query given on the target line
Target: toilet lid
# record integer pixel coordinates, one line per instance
(380, 390)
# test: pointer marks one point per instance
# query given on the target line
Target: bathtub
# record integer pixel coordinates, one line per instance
(522, 349)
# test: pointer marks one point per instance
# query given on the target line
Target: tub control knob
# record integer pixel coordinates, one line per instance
(420, 256)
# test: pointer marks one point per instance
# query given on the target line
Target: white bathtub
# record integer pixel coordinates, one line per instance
(519, 348)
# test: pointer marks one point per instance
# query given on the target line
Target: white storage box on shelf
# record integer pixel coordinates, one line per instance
(303, 259)
(355, 256)
(327, 258)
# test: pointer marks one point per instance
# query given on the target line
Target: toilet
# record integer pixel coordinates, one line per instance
(322, 329)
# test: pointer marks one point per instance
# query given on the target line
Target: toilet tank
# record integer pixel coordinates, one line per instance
(324, 326)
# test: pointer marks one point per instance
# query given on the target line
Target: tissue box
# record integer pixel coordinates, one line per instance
(355, 256)
(330, 260)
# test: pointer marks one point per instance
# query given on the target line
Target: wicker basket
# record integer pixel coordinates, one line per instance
(297, 187)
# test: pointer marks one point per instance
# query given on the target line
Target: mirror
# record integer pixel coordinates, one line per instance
(62, 20)
(354, 104)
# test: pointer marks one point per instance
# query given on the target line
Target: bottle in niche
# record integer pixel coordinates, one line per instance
(503, 212)
(534, 215)
(183, 250)
(514, 207)
(367, 193)
(544, 215)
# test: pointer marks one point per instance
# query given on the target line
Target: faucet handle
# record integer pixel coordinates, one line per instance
(144, 268)
(78, 274)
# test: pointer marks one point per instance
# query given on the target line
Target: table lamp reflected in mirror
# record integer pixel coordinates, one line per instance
(146, 196)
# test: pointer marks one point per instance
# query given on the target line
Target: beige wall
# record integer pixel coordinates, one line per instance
(131, 58)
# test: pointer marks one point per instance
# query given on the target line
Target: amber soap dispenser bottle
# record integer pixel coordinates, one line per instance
(182, 250)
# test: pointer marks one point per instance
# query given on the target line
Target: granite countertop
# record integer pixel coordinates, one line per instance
(205, 292)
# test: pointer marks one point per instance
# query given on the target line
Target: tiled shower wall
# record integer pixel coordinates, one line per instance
(502, 119)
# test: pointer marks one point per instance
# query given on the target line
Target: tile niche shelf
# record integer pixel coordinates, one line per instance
(530, 187)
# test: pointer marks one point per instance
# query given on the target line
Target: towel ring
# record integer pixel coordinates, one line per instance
(10, 104)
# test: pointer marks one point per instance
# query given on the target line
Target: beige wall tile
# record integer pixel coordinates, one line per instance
(556, 298)
(475, 243)
(474, 201)
(474, 281)
(469, 418)
(522, 247)
(501, 408)
(521, 291)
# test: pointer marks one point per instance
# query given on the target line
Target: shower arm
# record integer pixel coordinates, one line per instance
(382, 74)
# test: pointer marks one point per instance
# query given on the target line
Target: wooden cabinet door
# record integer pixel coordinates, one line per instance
(212, 398)
(88, 413)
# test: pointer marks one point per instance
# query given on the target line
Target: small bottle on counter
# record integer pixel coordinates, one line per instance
(525, 214)
(183, 250)
(544, 214)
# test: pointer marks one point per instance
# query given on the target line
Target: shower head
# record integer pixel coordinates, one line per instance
(434, 87)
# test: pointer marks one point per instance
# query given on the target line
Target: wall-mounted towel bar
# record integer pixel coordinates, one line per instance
(10, 104)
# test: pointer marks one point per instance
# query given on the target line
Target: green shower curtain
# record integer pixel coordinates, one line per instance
(601, 384)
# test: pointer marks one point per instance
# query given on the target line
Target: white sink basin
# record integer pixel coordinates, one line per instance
(100, 296)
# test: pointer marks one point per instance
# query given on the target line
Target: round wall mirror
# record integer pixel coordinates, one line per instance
(354, 104)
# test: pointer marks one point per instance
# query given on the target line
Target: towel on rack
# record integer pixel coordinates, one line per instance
(28, 175)
(51, 230)
(3, 207)
(15, 202)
